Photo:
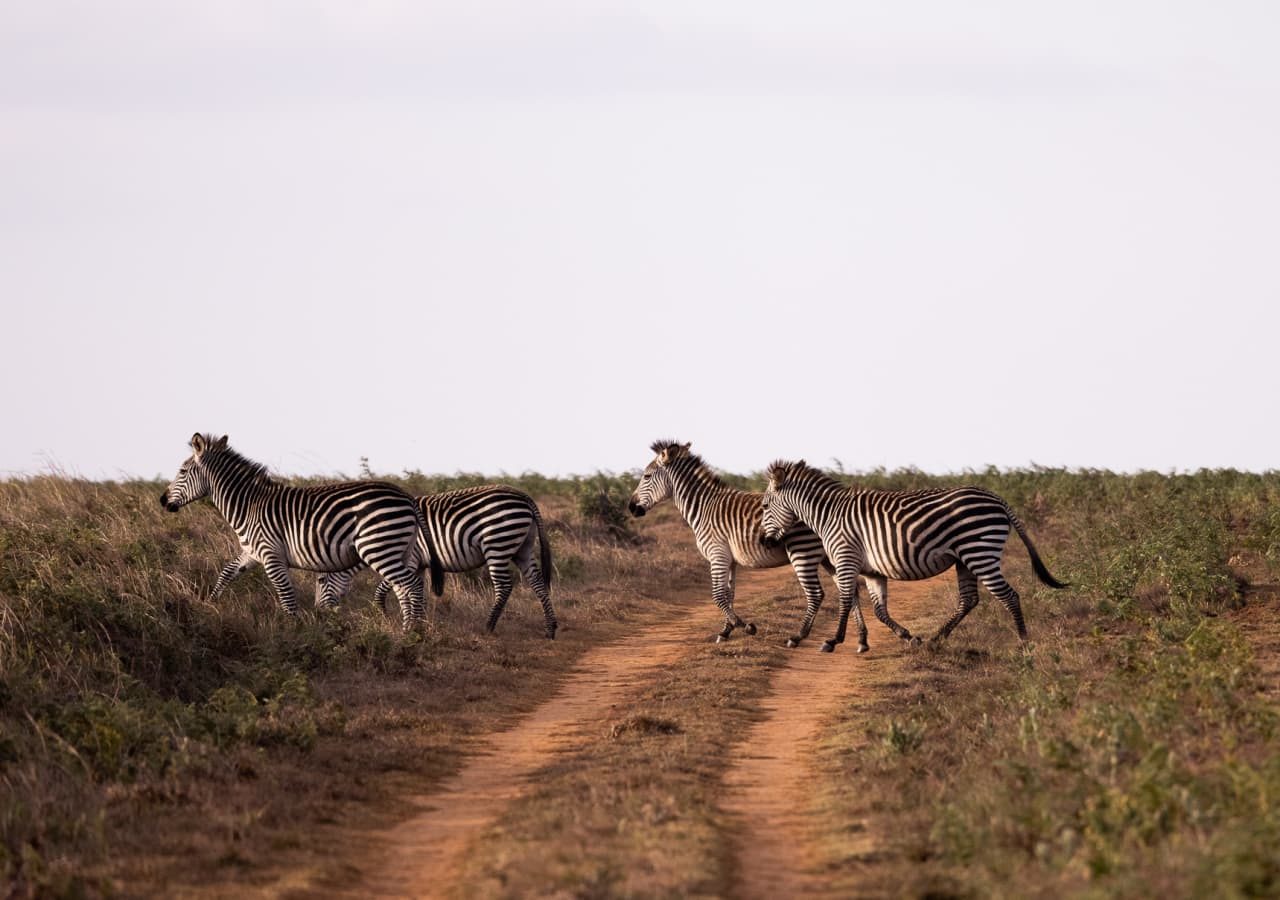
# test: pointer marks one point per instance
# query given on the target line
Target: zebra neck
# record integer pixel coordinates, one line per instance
(690, 489)
(235, 491)
(817, 505)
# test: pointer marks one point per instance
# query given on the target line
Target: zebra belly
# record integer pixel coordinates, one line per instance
(904, 570)
(336, 559)
(459, 559)
(759, 556)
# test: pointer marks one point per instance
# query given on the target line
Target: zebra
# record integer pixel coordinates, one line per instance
(726, 527)
(325, 528)
(489, 525)
(907, 535)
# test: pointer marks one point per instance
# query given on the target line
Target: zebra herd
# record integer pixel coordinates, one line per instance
(803, 518)
(809, 519)
(337, 530)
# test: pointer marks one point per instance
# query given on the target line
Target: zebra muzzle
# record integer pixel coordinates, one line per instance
(636, 509)
(164, 501)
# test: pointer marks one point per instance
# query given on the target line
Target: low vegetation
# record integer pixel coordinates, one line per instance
(1130, 751)
(149, 735)
(139, 720)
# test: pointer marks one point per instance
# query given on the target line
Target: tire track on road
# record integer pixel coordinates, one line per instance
(771, 785)
(419, 856)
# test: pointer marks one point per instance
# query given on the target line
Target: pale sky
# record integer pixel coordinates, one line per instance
(506, 236)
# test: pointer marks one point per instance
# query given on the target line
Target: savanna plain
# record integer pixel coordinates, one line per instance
(154, 742)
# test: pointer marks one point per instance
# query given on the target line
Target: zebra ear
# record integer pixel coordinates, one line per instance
(220, 443)
(673, 451)
(684, 448)
(198, 442)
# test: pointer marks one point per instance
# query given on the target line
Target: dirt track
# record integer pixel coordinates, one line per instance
(424, 851)
(770, 787)
(766, 790)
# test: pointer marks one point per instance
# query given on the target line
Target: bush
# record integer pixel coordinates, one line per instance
(602, 504)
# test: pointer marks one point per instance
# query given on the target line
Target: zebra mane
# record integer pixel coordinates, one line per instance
(782, 472)
(777, 472)
(234, 459)
(696, 464)
(704, 472)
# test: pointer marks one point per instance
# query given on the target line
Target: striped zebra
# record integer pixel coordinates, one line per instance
(491, 525)
(326, 528)
(726, 527)
(907, 535)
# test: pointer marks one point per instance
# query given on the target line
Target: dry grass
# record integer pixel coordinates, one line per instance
(152, 738)
(1127, 753)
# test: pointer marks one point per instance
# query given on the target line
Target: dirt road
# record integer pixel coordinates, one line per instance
(424, 851)
(766, 788)
(770, 787)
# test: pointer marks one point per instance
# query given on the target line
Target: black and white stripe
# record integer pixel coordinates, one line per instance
(726, 527)
(906, 535)
(491, 525)
(324, 528)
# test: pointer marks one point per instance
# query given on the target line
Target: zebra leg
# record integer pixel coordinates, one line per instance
(994, 581)
(400, 567)
(878, 588)
(500, 575)
(278, 575)
(380, 594)
(331, 587)
(968, 589)
(847, 582)
(722, 572)
(807, 574)
(533, 576)
(406, 580)
(407, 583)
(231, 571)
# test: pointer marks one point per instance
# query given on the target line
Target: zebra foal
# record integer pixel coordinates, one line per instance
(726, 527)
(325, 528)
(490, 525)
(906, 535)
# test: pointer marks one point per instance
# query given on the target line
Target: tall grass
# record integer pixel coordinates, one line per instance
(1141, 743)
(117, 671)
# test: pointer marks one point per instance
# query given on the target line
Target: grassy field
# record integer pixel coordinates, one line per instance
(149, 736)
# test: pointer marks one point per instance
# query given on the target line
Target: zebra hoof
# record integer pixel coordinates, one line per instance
(863, 648)
(827, 647)
(914, 641)
(751, 628)
(792, 643)
(551, 634)
(719, 638)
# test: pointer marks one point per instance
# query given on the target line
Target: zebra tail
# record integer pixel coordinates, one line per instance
(433, 558)
(544, 558)
(1037, 564)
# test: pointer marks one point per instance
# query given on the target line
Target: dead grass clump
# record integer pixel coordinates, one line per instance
(642, 725)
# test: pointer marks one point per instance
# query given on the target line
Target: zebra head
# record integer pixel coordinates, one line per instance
(192, 480)
(655, 481)
(778, 514)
